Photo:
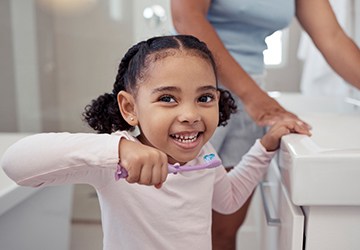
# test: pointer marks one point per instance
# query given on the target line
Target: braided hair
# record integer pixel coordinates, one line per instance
(103, 113)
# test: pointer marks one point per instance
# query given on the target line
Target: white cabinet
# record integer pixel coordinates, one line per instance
(320, 175)
(283, 223)
(332, 227)
(273, 221)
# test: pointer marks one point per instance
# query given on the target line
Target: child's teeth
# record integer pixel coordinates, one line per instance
(185, 138)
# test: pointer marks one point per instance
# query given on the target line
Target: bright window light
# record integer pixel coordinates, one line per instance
(273, 55)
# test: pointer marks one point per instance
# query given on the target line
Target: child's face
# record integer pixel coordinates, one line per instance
(177, 106)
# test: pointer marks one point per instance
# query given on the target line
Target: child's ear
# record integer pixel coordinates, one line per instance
(126, 104)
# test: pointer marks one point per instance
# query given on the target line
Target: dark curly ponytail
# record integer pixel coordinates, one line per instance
(103, 113)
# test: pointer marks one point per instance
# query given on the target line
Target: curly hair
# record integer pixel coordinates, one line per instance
(103, 113)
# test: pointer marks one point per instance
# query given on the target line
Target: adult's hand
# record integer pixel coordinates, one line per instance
(266, 111)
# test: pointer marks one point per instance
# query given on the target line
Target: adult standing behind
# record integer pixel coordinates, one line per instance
(235, 31)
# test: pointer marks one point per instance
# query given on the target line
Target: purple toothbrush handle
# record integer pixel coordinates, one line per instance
(174, 169)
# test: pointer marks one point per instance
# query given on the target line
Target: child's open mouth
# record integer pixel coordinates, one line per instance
(185, 138)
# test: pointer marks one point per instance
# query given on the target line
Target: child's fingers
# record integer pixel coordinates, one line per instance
(152, 172)
(164, 171)
(141, 163)
(292, 126)
(146, 174)
(160, 172)
(157, 175)
(271, 140)
(133, 173)
(164, 168)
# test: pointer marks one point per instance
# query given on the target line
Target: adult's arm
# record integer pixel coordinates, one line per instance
(319, 21)
(189, 17)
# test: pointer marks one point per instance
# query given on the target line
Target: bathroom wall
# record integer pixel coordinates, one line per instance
(8, 120)
(88, 49)
(57, 55)
(22, 63)
(55, 58)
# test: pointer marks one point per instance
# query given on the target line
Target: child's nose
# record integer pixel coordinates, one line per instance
(190, 114)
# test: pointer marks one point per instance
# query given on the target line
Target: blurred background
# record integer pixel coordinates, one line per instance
(58, 55)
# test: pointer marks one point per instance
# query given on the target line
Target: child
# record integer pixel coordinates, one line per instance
(167, 88)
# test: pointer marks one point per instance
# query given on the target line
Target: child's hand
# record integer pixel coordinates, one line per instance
(271, 140)
(145, 165)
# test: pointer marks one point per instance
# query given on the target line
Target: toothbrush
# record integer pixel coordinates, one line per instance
(210, 162)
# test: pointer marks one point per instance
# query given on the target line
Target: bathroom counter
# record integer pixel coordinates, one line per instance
(322, 169)
(315, 179)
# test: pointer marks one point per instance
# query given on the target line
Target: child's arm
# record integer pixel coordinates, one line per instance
(62, 158)
(232, 190)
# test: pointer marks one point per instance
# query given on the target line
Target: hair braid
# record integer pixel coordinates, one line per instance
(103, 113)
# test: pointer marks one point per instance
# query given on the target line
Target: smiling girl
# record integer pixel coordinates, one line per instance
(166, 88)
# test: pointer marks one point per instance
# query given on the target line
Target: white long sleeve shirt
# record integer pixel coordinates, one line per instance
(177, 216)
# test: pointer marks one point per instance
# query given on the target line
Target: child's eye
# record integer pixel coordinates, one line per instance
(166, 98)
(206, 98)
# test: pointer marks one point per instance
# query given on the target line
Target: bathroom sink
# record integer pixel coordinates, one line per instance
(300, 104)
(323, 169)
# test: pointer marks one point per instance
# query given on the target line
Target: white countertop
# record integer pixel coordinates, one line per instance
(323, 169)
